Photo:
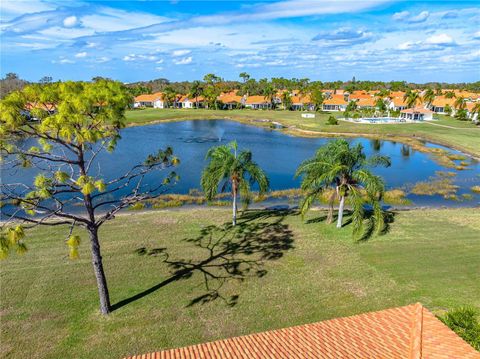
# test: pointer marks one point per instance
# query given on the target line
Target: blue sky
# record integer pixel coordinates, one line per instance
(182, 40)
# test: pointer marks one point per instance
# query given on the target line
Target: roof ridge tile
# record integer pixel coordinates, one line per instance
(416, 332)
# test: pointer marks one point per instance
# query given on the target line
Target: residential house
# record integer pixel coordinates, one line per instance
(440, 103)
(230, 100)
(416, 114)
(410, 332)
(336, 102)
(258, 103)
(396, 104)
(469, 107)
(191, 102)
(400, 94)
(149, 100)
(366, 102)
(302, 102)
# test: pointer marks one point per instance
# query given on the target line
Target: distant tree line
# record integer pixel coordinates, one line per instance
(246, 85)
(250, 86)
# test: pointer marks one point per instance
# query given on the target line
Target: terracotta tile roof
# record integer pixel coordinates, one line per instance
(301, 99)
(149, 97)
(192, 99)
(406, 332)
(470, 105)
(397, 94)
(256, 99)
(442, 101)
(358, 96)
(359, 93)
(337, 92)
(43, 106)
(230, 98)
(335, 100)
(366, 102)
(416, 110)
(399, 101)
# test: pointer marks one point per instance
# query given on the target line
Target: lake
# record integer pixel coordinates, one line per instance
(278, 154)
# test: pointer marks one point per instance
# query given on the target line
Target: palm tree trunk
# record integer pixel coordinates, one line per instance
(330, 208)
(340, 212)
(99, 273)
(234, 207)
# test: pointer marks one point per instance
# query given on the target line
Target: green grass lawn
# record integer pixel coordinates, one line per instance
(465, 136)
(274, 270)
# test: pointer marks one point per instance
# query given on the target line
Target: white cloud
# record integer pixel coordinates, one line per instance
(109, 20)
(159, 68)
(183, 61)
(11, 9)
(177, 53)
(134, 57)
(342, 37)
(159, 61)
(405, 46)
(63, 61)
(420, 17)
(440, 39)
(70, 21)
(476, 35)
(434, 42)
(102, 59)
(407, 16)
(80, 55)
(402, 15)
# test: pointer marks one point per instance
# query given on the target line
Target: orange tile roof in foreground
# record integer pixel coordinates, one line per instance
(404, 332)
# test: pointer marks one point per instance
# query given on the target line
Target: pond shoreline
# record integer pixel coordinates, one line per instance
(299, 132)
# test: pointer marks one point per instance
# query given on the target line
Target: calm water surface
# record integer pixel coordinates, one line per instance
(278, 154)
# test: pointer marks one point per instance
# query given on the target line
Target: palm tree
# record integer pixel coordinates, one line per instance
(429, 96)
(411, 98)
(237, 171)
(450, 94)
(195, 91)
(269, 93)
(244, 76)
(475, 110)
(169, 95)
(346, 169)
(286, 100)
(460, 103)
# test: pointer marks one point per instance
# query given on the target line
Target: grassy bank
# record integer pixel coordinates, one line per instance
(287, 272)
(464, 136)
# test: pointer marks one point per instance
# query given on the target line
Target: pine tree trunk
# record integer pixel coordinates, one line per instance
(99, 273)
(340, 212)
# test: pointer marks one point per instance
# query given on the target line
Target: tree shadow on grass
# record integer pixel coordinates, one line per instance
(369, 228)
(225, 253)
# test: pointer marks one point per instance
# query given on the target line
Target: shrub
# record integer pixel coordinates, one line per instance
(332, 121)
(137, 206)
(465, 322)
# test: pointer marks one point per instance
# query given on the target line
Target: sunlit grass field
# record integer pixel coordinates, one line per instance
(274, 270)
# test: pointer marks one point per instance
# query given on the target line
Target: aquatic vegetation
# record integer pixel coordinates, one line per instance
(456, 157)
(475, 189)
(445, 174)
(436, 186)
(396, 197)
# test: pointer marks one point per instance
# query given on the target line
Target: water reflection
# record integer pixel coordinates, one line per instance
(277, 153)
